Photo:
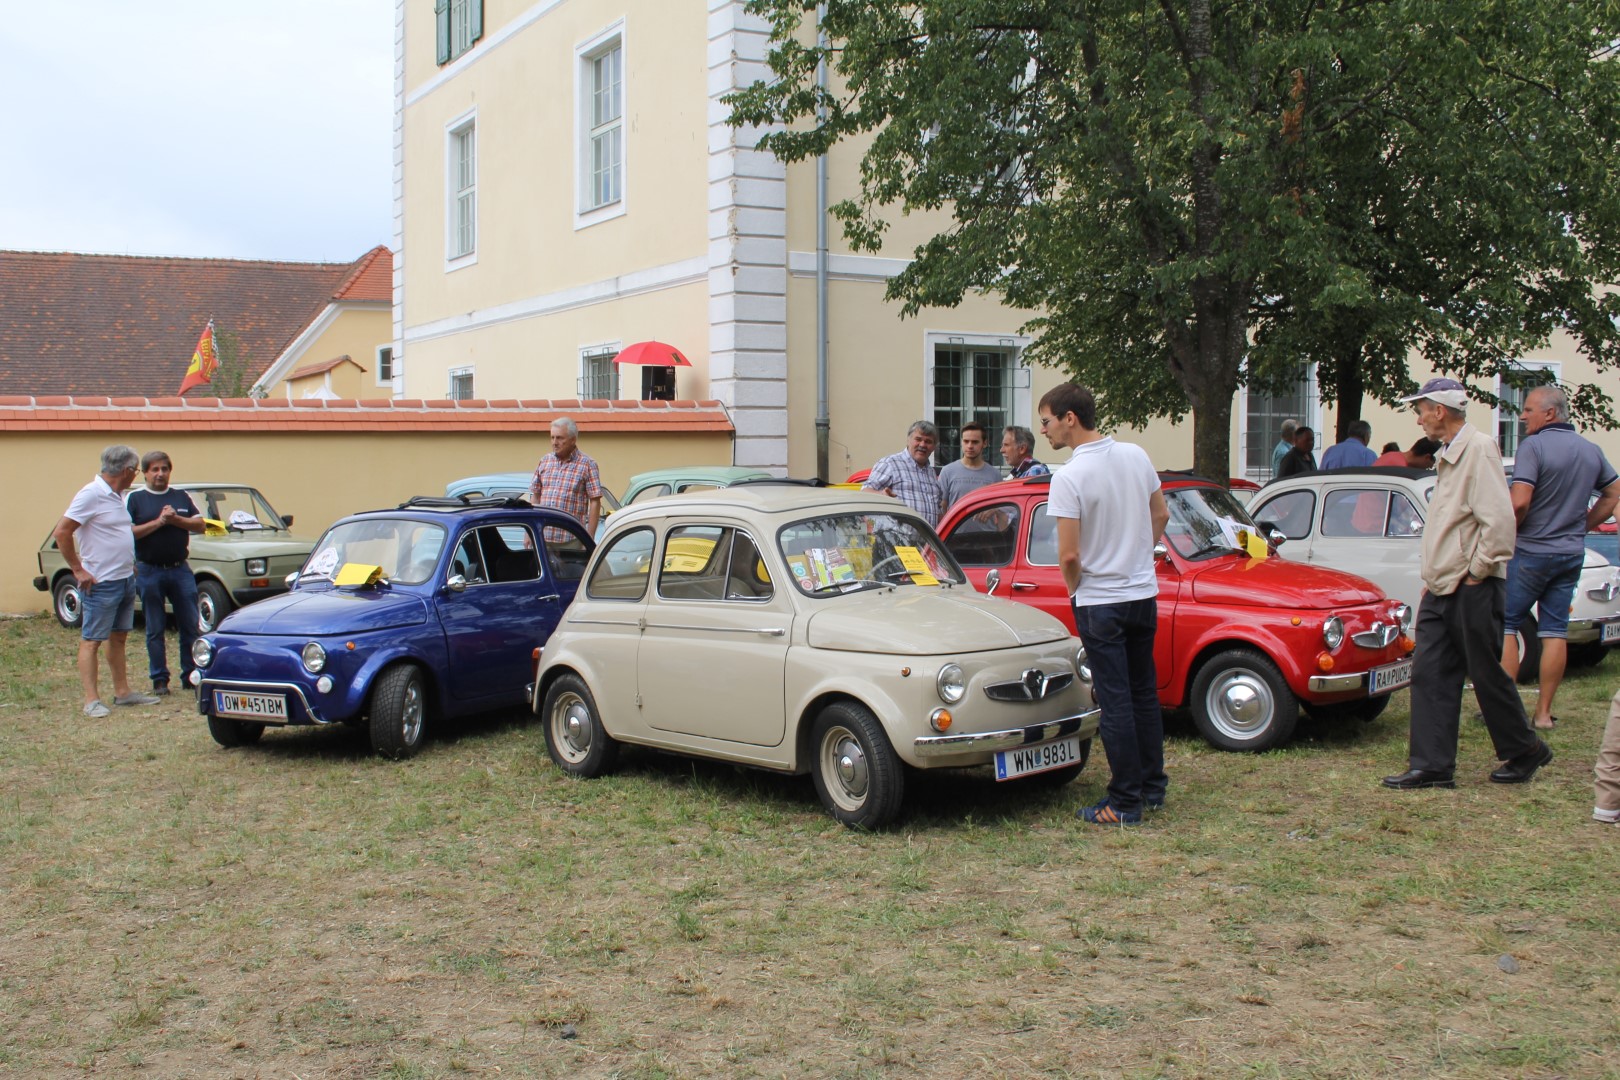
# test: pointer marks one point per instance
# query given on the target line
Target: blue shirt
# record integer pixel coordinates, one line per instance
(1564, 469)
(1349, 454)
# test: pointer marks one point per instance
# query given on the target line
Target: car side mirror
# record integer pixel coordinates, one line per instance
(286, 519)
(292, 578)
(991, 580)
(1160, 551)
(1274, 536)
(456, 583)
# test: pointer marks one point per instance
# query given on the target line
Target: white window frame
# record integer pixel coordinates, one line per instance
(1312, 419)
(586, 53)
(1554, 366)
(1023, 396)
(454, 195)
(590, 353)
(450, 382)
(378, 376)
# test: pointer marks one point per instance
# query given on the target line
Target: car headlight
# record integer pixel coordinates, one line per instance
(202, 652)
(951, 684)
(1081, 668)
(257, 567)
(314, 657)
(1333, 632)
(1403, 616)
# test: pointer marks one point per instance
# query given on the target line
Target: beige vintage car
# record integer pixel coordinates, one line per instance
(800, 629)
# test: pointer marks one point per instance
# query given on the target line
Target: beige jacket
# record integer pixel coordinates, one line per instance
(1470, 526)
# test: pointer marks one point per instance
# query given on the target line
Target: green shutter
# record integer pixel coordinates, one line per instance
(477, 16)
(441, 16)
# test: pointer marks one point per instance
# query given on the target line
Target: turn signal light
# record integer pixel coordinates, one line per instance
(259, 582)
(1408, 643)
(1324, 662)
(940, 720)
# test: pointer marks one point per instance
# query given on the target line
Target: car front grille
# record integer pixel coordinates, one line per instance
(1033, 685)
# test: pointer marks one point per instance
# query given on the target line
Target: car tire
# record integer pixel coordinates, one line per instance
(575, 738)
(1056, 778)
(1529, 651)
(857, 772)
(1587, 654)
(234, 733)
(398, 711)
(1366, 710)
(1241, 702)
(213, 604)
(66, 603)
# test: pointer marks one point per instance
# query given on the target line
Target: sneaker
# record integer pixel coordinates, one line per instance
(160, 689)
(96, 710)
(1608, 817)
(1105, 814)
(135, 697)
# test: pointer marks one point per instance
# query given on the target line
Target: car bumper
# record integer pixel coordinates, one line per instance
(42, 583)
(1355, 681)
(299, 708)
(1582, 631)
(968, 744)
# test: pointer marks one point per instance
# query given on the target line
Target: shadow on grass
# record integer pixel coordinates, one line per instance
(352, 742)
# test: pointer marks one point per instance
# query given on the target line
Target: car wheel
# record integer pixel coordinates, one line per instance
(856, 771)
(1529, 650)
(65, 602)
(575, 738)
(1056, 778)
(1240, 701)
(213, 604)
(1365, 710)
(1587, 654)
(398, 708)
(233, 733)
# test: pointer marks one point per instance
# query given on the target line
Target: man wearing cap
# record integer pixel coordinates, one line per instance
(1467, 541)
(1555, 473)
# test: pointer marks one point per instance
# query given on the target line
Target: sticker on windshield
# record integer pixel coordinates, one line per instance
(324, 562)
(915, 565)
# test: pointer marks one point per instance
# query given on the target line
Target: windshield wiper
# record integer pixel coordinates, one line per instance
(850, 584)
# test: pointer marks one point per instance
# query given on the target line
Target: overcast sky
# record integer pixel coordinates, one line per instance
(251, 129)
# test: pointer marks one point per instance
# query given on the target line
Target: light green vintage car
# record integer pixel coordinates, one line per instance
(245, 555)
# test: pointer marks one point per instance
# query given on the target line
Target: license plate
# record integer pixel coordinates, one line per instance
(1389, 677)
(252, 706)
(1611, 632)
(1037, 757)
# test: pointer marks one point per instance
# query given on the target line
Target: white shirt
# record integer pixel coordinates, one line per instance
(1109, 486)
(105, 538)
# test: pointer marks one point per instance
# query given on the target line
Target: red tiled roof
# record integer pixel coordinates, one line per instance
(23, 412)
(122, 324)
(321, 366)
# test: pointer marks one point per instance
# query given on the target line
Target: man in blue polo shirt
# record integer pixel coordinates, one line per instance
(165, 518)
(1352, 451)
(1555, 473)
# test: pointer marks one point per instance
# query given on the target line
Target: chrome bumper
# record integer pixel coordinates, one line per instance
(1582, 631)
(985, 742)
(204, 699)
(1338, 684)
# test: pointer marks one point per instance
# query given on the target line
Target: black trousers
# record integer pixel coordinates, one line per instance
(1460, 636)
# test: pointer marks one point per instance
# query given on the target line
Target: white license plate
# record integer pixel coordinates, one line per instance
(1389, 677)
(1037, 757)
(253, 706)
(1611, 632)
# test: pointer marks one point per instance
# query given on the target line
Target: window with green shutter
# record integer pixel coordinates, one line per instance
(458, 24)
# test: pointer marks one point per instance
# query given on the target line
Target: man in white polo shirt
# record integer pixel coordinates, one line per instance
(97, 541)
(1109, 513)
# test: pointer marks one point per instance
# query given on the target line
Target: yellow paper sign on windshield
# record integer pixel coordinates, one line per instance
(212, 527)
(912, 560)
(1254, 545)
(354, 573)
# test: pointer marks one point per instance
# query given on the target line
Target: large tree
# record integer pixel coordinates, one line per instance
(1194, 195)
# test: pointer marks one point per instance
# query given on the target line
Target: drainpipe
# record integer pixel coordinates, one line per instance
(823, 424)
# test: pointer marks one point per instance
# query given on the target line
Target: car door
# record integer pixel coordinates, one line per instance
(713, 657)
(987, 541)
(1373, 530)
(510, 604)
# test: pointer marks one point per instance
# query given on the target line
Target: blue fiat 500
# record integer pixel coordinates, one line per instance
(398, 619)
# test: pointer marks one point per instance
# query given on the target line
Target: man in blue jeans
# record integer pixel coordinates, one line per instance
(1555, 473)
(164, 520)
(1110, 513)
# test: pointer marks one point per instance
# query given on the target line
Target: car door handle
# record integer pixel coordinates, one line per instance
(1023, 586)
(552, 596)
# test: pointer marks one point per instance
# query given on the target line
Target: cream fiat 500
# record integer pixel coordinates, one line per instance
(799, 629)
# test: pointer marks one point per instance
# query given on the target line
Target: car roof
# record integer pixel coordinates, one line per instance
(765, 498)
(719, 473)
(427, 507)
(1381, 472)
(1002, 487)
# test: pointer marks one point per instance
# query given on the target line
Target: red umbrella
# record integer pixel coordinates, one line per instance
(655, 353)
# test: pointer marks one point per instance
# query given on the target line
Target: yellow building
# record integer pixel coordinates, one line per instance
(566, 184)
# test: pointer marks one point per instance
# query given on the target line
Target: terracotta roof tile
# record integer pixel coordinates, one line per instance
(318, 367)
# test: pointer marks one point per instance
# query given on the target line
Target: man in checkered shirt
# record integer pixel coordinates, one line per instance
(566, 479)
(907, 476)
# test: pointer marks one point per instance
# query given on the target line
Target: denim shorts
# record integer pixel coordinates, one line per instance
(1548, 580)
(108, 608)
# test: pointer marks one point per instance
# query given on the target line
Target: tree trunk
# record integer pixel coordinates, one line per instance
(1348, 389)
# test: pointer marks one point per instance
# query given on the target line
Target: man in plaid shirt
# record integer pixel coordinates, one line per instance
(566, 479)
(907, 476)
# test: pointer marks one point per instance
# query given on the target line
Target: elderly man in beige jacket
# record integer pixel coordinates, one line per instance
(1467, 541)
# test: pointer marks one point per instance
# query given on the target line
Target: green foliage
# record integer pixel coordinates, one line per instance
(1335, 183)
(237, 369)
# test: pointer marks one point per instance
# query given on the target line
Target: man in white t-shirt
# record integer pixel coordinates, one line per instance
(1110, 513)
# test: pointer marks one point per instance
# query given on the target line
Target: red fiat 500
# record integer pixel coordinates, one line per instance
(1243, 642)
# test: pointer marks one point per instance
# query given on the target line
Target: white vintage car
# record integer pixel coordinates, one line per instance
(799, 629)
(1370, 521)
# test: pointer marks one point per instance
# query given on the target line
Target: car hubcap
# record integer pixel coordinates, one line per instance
(573, 728)
(205, 614)
(410, 727)
(70, 605)
(844, 767)
(1240, 704)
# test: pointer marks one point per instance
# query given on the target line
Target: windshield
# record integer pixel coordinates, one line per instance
(1204, 521)
(407, 550)
(239, 509)
(845, 552)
